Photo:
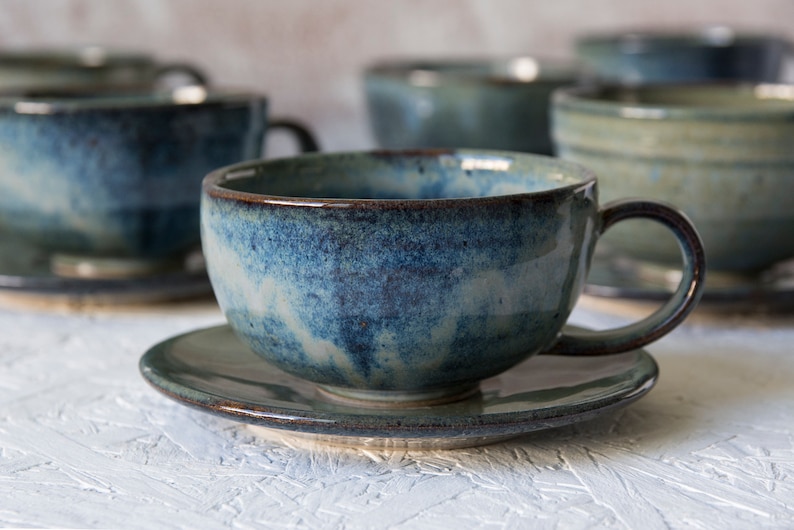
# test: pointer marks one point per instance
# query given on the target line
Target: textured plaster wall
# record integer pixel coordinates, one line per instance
(308, 54)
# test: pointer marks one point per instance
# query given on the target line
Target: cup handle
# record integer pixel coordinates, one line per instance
(667, 317)
(197, 76)
(306, 141)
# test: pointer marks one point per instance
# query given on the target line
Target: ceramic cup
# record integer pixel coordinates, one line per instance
(109, 183)
(486, 104)
(721, 153)
(712, 53)
(89, 66)
(408, 277)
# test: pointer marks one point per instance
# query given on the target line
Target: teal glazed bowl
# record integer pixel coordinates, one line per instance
(407, 277)
(116, 175)
(721, 153)
(90, 66)
(710, 54)
(487, 104)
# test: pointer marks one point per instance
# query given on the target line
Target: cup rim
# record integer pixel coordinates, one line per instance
(91, 99)
(213, 188)
(585, 99)
(439, 71)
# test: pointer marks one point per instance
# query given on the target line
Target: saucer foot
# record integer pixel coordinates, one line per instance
(91, 267)
(397, 399)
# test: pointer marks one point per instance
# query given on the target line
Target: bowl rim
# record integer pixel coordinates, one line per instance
(47, 101)
(445, 70)
(585, 99)
(212, 185)
(79, 57)
(642, 40)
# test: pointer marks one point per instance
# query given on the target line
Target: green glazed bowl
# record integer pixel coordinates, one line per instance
(486, 104)
(722, 153)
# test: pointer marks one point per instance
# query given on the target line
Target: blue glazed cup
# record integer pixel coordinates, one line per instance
(90, 66)
(484, 104)
(710, 54)
(113, 178)
(407, 277)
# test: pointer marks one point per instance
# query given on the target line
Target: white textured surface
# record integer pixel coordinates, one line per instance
(84, 442)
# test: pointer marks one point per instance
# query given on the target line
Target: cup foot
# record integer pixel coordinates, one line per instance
(397, 399)
(71, 266)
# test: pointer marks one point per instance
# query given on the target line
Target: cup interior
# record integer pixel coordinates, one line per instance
(401, 176)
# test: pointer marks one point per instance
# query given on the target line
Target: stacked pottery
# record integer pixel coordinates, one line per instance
(101, 167)
(699, 122)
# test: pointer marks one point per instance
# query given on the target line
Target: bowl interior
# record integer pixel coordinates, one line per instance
(403, 176)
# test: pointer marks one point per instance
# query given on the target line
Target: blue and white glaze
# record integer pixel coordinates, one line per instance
(399, 272)
(118, 176)
(486, 104)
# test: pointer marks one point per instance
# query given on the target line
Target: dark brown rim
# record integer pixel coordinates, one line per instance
(212, 184)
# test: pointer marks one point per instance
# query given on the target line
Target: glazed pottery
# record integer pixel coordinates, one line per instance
(479, 104)
(410, 276)
(713, 53)
(116, 176)
(213, 371)
(721, 153)
(90, 66)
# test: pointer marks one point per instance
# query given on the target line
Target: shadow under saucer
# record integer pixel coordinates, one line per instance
(213, 371)
(27, 278)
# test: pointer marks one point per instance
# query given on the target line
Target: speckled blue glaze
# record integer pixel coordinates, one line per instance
(400, 271)
(452, 104)
(117, 176)
(715, 53)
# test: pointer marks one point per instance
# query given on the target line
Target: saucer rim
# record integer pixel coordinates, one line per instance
(368, 423)
(745, 296)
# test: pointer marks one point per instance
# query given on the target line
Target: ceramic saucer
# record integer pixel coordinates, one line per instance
(624, 278)
(211, 370)
(26, 277)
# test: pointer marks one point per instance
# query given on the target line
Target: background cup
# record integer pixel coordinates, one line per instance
(489, 104)
(721, 153)
(114, 177)
(411, 276)
(90, 66)
(708, 54)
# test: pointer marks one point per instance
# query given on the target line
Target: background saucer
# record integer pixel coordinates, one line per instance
(211, 370)
(25, 278)
(623, 278)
